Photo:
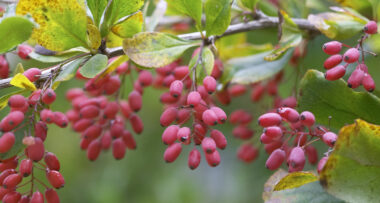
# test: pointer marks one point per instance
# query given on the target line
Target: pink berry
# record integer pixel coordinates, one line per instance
(208, 145)
(52, 161)
(180, 72)
(40, 130)
(118, 148)
(368, 83)
(356, 78)
(307, 118)
(242, 132)
(273, 132)
(7, 140)
(176, 88)
(209, 117)
(26, 167)
(55, 178)
(12, 181)
(329, 138)
(222, 117)
(169, 136)
(172, 152)
(247, 153)
(269, 119)
(17, 101)
(209, 83)
(351, 55)
(322, 163)
(370, 27)
(265, 139)
(335, 73)
(168, 116)
(275, 159)
(112, 85)
(23, 51)
(49, 96)
(193, 99)
(135, 100)
(219, 138)
(36, 151)
(312, 154)
(333, 61)
(11, 121)
(183, 134)
(332, 47)
(213, 159)
(94, 149)
(288, 114)
(137, 124)
(194, 159)
(145, 78)
(296, 159)
(51, 196)
(60, 119)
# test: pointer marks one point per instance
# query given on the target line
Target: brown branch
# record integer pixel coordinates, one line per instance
(263, 22)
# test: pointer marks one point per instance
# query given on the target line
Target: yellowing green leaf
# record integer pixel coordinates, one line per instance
(130, 26)
(352, 171)
(19, 68)
(114, 64)
(93, 35)
(14, 31)
(154, 50)
(19, 80)
(94, 66)
(114, 40)
(296, 179)
(218, 16)
(62, 24)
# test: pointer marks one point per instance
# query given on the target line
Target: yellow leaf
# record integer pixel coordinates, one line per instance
(114, 40)
(93, 35)
(114, 64)
(19, 80)
(296, 179)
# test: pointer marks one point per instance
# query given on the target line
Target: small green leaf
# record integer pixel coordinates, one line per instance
(4, 99)
(130, 26)
(294, 180)
(54, 58)
(248, 4)
(19, 68)
(154, 50)
(311, 192)
(333, 98)
(14, 31)
(205, 67)
(192, 9)
(251, 69)
(97, 8)
(337, 25)
(218, 16)
(94, 66)
(69, 70)
(352, 171)
(20, 133)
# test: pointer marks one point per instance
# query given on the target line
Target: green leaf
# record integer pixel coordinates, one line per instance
(205, 67)
(4, 99)
(333, 98)
(154, 50)
(192, 9)
(294, 180)
(19, 68)
(311, 192)
(251, 69)
(352, 171)
(97, 8)
(218, 16)
(94, 66)
(20, 133)
(362, 6)
(62, 24)
(130, 26)
(14, 31)
(337, 25)
(69, 70)
(247, 4)
(54, 58)
(117, 10)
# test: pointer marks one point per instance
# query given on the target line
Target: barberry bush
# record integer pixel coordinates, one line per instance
(261, 100)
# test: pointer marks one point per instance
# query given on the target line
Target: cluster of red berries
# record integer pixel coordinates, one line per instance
(4, 67)
(186, 100)
(286, 124)
(100, 119)
(21, 121)
(336, 70)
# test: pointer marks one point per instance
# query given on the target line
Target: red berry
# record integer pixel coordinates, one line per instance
(94, 149)
(37, 197)
(183, 134)
(172, 152)
(106, 140)
(55, 178)
(145, 78)
(60, 119)
(329, 138)
(332, 47)
(74, 93)
(193, 98)
(82, 124)
(118, 148)
(11, 197)
(307, 118)
(217, 70)
(7, 140)
(137, 124)
(208, 145)
(180, 72)
(237, 90)
(296, 159)
(194, 159)
(222, 117)
(247, 153)
(40, 130)
(368, 83)
(242, 132)
(240, 117)
(273, 132)
(112, 85)
(370, 27)
(209, 117)
(168, 116)
(275, 159)
(265, 139)
(176, 88)
(356, 78)
(12, 181)
(333, 61)
(47, 116)
(213, 159)
(49, 96)
(51, 196)
(23, 51)
(125, 109)
(269, 119)
(17, 101)
(335, 73)
(12, 120)
(123, 69)
(209, 83)
(257, 93)
(135, 100)
(290, 102)
(36, 151)
(128, 139)
(89, 111)
(52, 161)
(169, 136)
(289, 114)
(351, 55)
(24, 199)
(312, 154)
(26, 167)
(117, 129)
(5, 174)
(322, 164)
(219, 138)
